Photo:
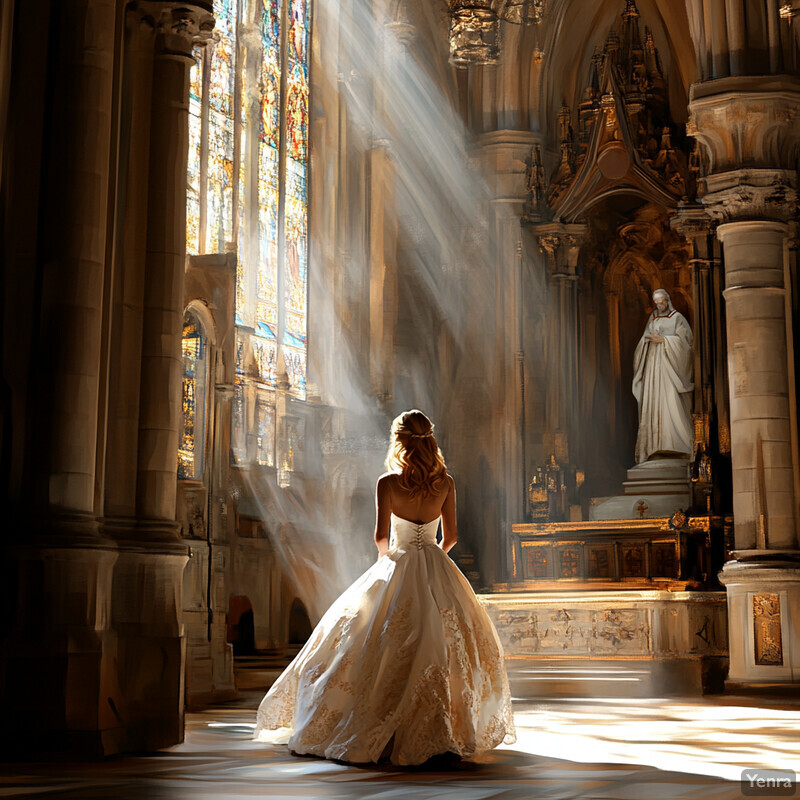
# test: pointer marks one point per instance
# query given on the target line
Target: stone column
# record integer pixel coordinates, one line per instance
(57, 656)
(750, 132)
(383, 274)
(147, 604)
(503, 155)
(760, 396)
(398, 34)
(711, 410)
(562, 244)
(165, 261)
(64, 460)
(124, 347)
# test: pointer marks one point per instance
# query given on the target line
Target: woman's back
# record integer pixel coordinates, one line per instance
(419, 509)
(417, 487)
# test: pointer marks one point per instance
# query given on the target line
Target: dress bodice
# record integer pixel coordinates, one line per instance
(406, 534)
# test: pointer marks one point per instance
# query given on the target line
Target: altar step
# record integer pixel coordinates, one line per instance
(655, 488)
(261, 670)
(539, 679)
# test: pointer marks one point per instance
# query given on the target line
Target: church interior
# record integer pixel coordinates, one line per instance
(246, 234)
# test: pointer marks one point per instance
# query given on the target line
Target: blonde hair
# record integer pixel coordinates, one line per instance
(414, 453)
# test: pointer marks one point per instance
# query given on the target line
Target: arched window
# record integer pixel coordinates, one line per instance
(248, 172)
(191, 447)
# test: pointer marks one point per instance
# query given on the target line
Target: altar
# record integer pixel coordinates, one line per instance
(664, 553)
(612, 607)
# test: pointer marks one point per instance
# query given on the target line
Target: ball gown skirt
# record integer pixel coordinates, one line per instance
(406, 663)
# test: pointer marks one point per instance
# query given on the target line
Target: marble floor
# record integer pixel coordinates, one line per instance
(567, 750)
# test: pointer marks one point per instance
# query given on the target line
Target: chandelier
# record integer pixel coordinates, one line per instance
(474, 33)
(475, 27)
(522, 12)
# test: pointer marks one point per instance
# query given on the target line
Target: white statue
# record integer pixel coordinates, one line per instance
(662, 383)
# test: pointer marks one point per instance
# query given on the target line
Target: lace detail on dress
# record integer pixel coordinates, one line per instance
(407, 652)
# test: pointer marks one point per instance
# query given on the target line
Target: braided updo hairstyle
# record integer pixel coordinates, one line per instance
(413, 453)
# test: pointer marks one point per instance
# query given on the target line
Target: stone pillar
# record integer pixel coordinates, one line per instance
(383, 274)
(504, 442)
(125, 341)
(711, 410)
(165, 262)
(57, 657)
(562, 244)
(64, 460)
(147, 608)
(750, 133)
(761, 425)
(398, 34)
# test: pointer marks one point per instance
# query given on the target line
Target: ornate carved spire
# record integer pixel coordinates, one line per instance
(623, 124)
(536, 206)
(652, 60)
(630, 10)
(565, 170)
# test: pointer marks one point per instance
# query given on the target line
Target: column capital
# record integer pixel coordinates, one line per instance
(691, 221)
(747, 127)
(769, 194)
(562, 243)
(399, 26)
(749, 137)
(183, 25)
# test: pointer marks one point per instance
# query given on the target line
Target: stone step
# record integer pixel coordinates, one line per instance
(655, 487)
(661, 469)
(538, 678)
(260, 671)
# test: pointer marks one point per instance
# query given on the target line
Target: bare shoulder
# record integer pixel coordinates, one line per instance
(386, 481)
(451, 484)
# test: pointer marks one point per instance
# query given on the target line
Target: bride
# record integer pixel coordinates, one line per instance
(405, 663)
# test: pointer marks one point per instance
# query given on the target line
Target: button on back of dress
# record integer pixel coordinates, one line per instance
(418, 539)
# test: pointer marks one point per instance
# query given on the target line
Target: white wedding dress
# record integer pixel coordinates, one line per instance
(405, 663)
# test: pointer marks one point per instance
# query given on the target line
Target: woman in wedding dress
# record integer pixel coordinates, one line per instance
(405, 663)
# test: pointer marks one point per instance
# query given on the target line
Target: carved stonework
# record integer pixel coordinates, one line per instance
(562, 244)
(691, 221)
(536, 207)
(749, 142)
(767, 630)
(576, 631)
(624, 140)
(747, 129)
(751, 193)
(183, 25)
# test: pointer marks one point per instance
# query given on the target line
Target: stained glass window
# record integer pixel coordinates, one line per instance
(221, 88)
(248, 174)
(192, 440)
(269, 136)
(195, 153)
(296, 203)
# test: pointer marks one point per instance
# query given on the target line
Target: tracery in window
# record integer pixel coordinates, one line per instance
(193, 406)
(248, 173)
(296, 211)
(220, 165)
(195, 153)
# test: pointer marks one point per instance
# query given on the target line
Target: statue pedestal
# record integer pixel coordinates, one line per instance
(655, 488)
(763, 589)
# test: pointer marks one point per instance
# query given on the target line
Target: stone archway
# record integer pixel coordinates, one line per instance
(241, 625)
